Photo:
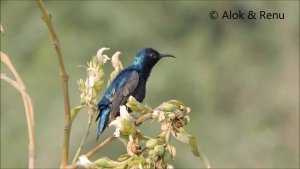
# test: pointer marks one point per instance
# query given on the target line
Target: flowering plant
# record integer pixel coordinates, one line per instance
(142, 151)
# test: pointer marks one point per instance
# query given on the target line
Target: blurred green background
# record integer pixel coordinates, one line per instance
(240, 77)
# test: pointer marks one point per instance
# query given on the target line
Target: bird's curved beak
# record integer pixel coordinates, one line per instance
(166, 55)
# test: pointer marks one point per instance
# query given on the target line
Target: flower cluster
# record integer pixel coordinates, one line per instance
(173, 115)
(147, 152)
(124, 124)
(93, 83)
(91, 86)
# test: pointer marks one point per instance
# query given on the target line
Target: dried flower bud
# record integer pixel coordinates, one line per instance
(136, 149)
(166, 126)
(102, 58)
(132, 147)
(116, 63)
(177, 124)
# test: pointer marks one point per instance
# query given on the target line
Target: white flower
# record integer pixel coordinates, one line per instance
(85, 162)
(161, 116)
(124, 115)
(93, 77)
(118, 126)
(102, 58)
(88, 94)
(82, 96)
(188, 109)
(140, 166)
(90, 81)
(155, 114)
(170, 166)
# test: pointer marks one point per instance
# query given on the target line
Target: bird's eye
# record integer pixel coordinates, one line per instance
(152, 55)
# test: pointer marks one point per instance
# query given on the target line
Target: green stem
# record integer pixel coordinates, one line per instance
(87, 131)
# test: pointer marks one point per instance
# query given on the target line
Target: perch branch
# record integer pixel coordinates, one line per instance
(139, 121)
(19, 85)
(143, 118)
(64, 79)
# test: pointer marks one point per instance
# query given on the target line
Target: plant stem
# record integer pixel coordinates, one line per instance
(93, 151)
(143, 118)
(20, 86)
(100, 146)
(91, 115)
(64, 79)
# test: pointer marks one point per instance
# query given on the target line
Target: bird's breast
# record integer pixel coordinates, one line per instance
(140, 92)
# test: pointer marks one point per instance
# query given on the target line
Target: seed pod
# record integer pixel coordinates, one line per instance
(151, 143)
(159, 150)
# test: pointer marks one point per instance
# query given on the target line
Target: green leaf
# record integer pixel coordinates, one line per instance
(75, 111)
(166, 158)
(123, 157)
(176, 102)
(192, 142)
(168, 107)
(81, 85)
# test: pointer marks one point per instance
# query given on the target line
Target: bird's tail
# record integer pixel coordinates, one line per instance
(104, 115)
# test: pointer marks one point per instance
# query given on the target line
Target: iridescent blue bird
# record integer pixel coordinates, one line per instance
(131, 81)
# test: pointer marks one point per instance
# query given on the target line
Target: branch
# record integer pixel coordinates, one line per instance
(143, 118)
(96, 149)
(19, 85)
(64, 79)
(100, 146)
(105, 142)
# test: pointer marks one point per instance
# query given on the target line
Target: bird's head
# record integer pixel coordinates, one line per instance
(148, 57)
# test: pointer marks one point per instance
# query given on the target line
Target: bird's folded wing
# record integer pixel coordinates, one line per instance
(122, 92)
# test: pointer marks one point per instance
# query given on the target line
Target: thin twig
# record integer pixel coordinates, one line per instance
(19, 85)
(91, 115)
(105, 142)
(100, 146)
(143, 118)
(109, 139)
(95, 150)
(11, 82)
(64, 79)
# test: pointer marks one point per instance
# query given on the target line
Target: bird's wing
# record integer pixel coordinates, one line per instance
(116, 95)
(122, 92)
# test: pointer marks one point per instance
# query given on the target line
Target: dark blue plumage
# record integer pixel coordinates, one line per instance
(131, 81)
